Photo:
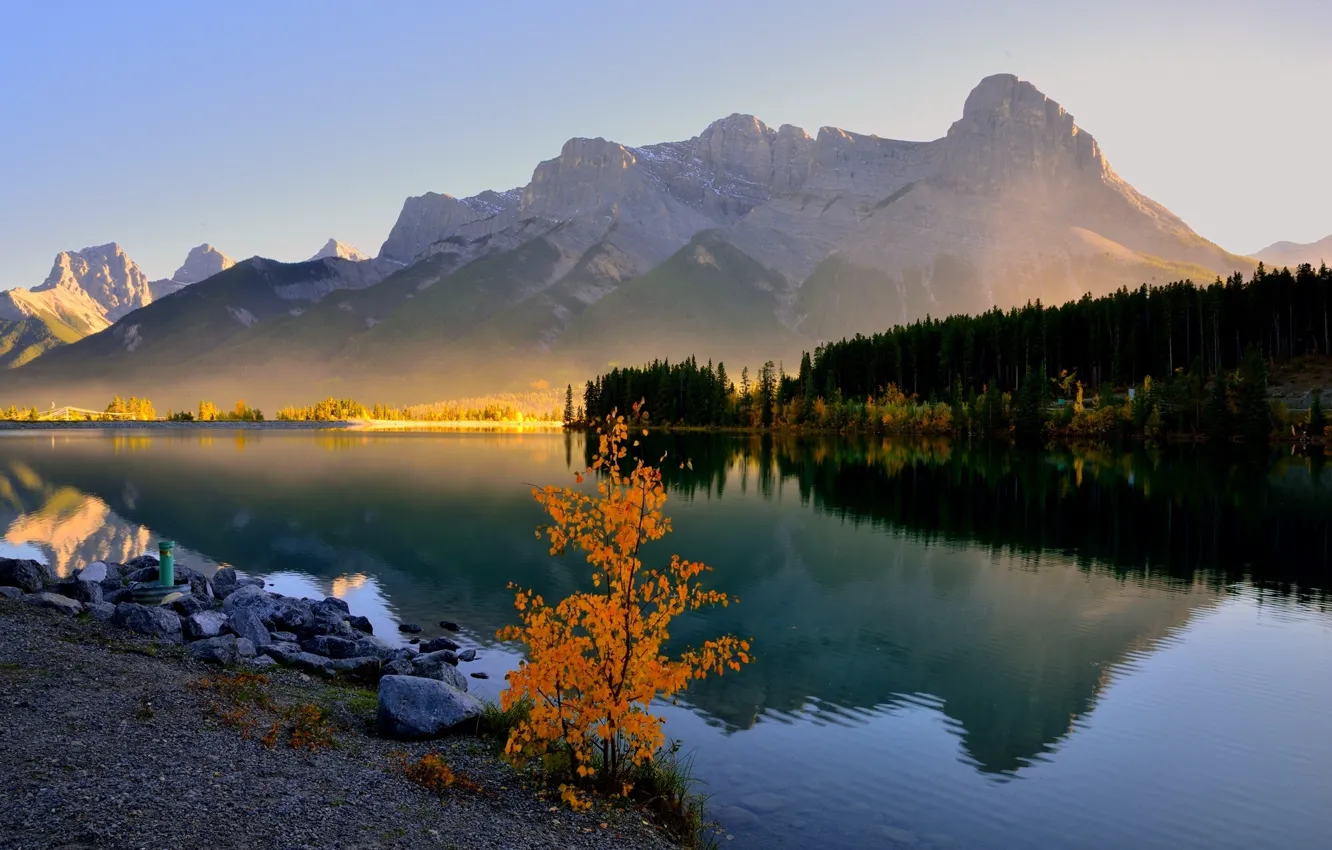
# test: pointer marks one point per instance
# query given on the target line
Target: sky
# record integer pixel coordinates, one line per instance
(267, 128)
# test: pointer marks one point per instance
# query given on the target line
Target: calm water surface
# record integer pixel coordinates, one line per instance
(956, 647)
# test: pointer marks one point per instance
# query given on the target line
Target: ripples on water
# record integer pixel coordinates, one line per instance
(956, 647)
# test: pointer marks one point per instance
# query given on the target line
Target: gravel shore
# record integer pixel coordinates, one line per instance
(108, 741)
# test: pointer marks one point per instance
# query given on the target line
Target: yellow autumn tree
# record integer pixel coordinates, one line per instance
(596, 660)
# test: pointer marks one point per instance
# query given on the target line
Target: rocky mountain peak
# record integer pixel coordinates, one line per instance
(1010, 135)
(340, 250)
(201, 263)
(105, 274)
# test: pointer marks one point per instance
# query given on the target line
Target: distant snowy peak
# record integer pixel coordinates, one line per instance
(340, 250)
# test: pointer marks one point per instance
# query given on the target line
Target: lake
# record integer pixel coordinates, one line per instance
(956, 646)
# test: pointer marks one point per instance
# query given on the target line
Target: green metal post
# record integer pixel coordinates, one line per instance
(166, 563)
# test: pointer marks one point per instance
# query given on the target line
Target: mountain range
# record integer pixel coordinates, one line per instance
(1292, 254)
(742, 243)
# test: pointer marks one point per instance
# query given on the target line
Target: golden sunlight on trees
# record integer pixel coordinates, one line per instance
(596, 660)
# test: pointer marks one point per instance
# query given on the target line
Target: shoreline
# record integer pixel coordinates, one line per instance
(173, 733)
(358, 425)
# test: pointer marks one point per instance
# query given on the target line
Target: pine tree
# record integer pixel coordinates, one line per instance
(1317, 419)
(1216, 415)
(568, 404)
(1251, 406)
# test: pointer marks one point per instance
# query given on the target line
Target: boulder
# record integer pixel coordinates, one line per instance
(331, 647)
(283, 653)
(436, 644)
(245, 622)
(102, 611)
(25, 574)
(153, 621)
(96, 571)
(245, 648)
(7, 592)
(467, 655)
(307, 661)
(224, 581)
(412, 707)
(87, 592)
(262, 661)
(141, 575)
(397, 667)
(448, 625)
(252, 598)
(332, 605)
(55, 602)
(361, 624)
(289, 637)
(331, 623)
(188, 606)
(361, 668)
(369, 645)
(203, 624)
(140, 563)
(221, 649)
(293, 615)
(440, 665)
(409, 628)
(117, 596)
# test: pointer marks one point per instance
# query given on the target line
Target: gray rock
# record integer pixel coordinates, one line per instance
(204, 624)
(480, 674)
(331, 647)
(449, 625)
(409, 628)
(332, 605)
(442, 666)
(251, 598)
(436, 644)
(245, 622)
(216, 650)
(293, 615)
(55, 602)
(7, 592)
(153, 621)
(188, 606)
(412, 707)
(140, 562)
(308, 661)
(25, 574)
(117, 596)
(360, 668)
(289, 637)
(361, 624)
(96, 571)
(262, 661)
(102, 611)
(224, 581)
(245, 648)
(467, 655)
(333, 624)
(283, 653)
(397, 667)
(141, 575)
(369, 645)
(87, 592)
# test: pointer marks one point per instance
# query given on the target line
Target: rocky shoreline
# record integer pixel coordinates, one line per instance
(96, 684)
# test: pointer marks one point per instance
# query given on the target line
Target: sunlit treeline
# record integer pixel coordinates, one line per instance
(498, 409)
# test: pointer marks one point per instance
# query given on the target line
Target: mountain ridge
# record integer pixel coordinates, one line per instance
(809, 238)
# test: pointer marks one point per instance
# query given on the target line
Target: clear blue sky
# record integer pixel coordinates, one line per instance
(265, 128)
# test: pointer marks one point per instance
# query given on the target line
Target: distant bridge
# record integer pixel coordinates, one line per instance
(70, 413)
